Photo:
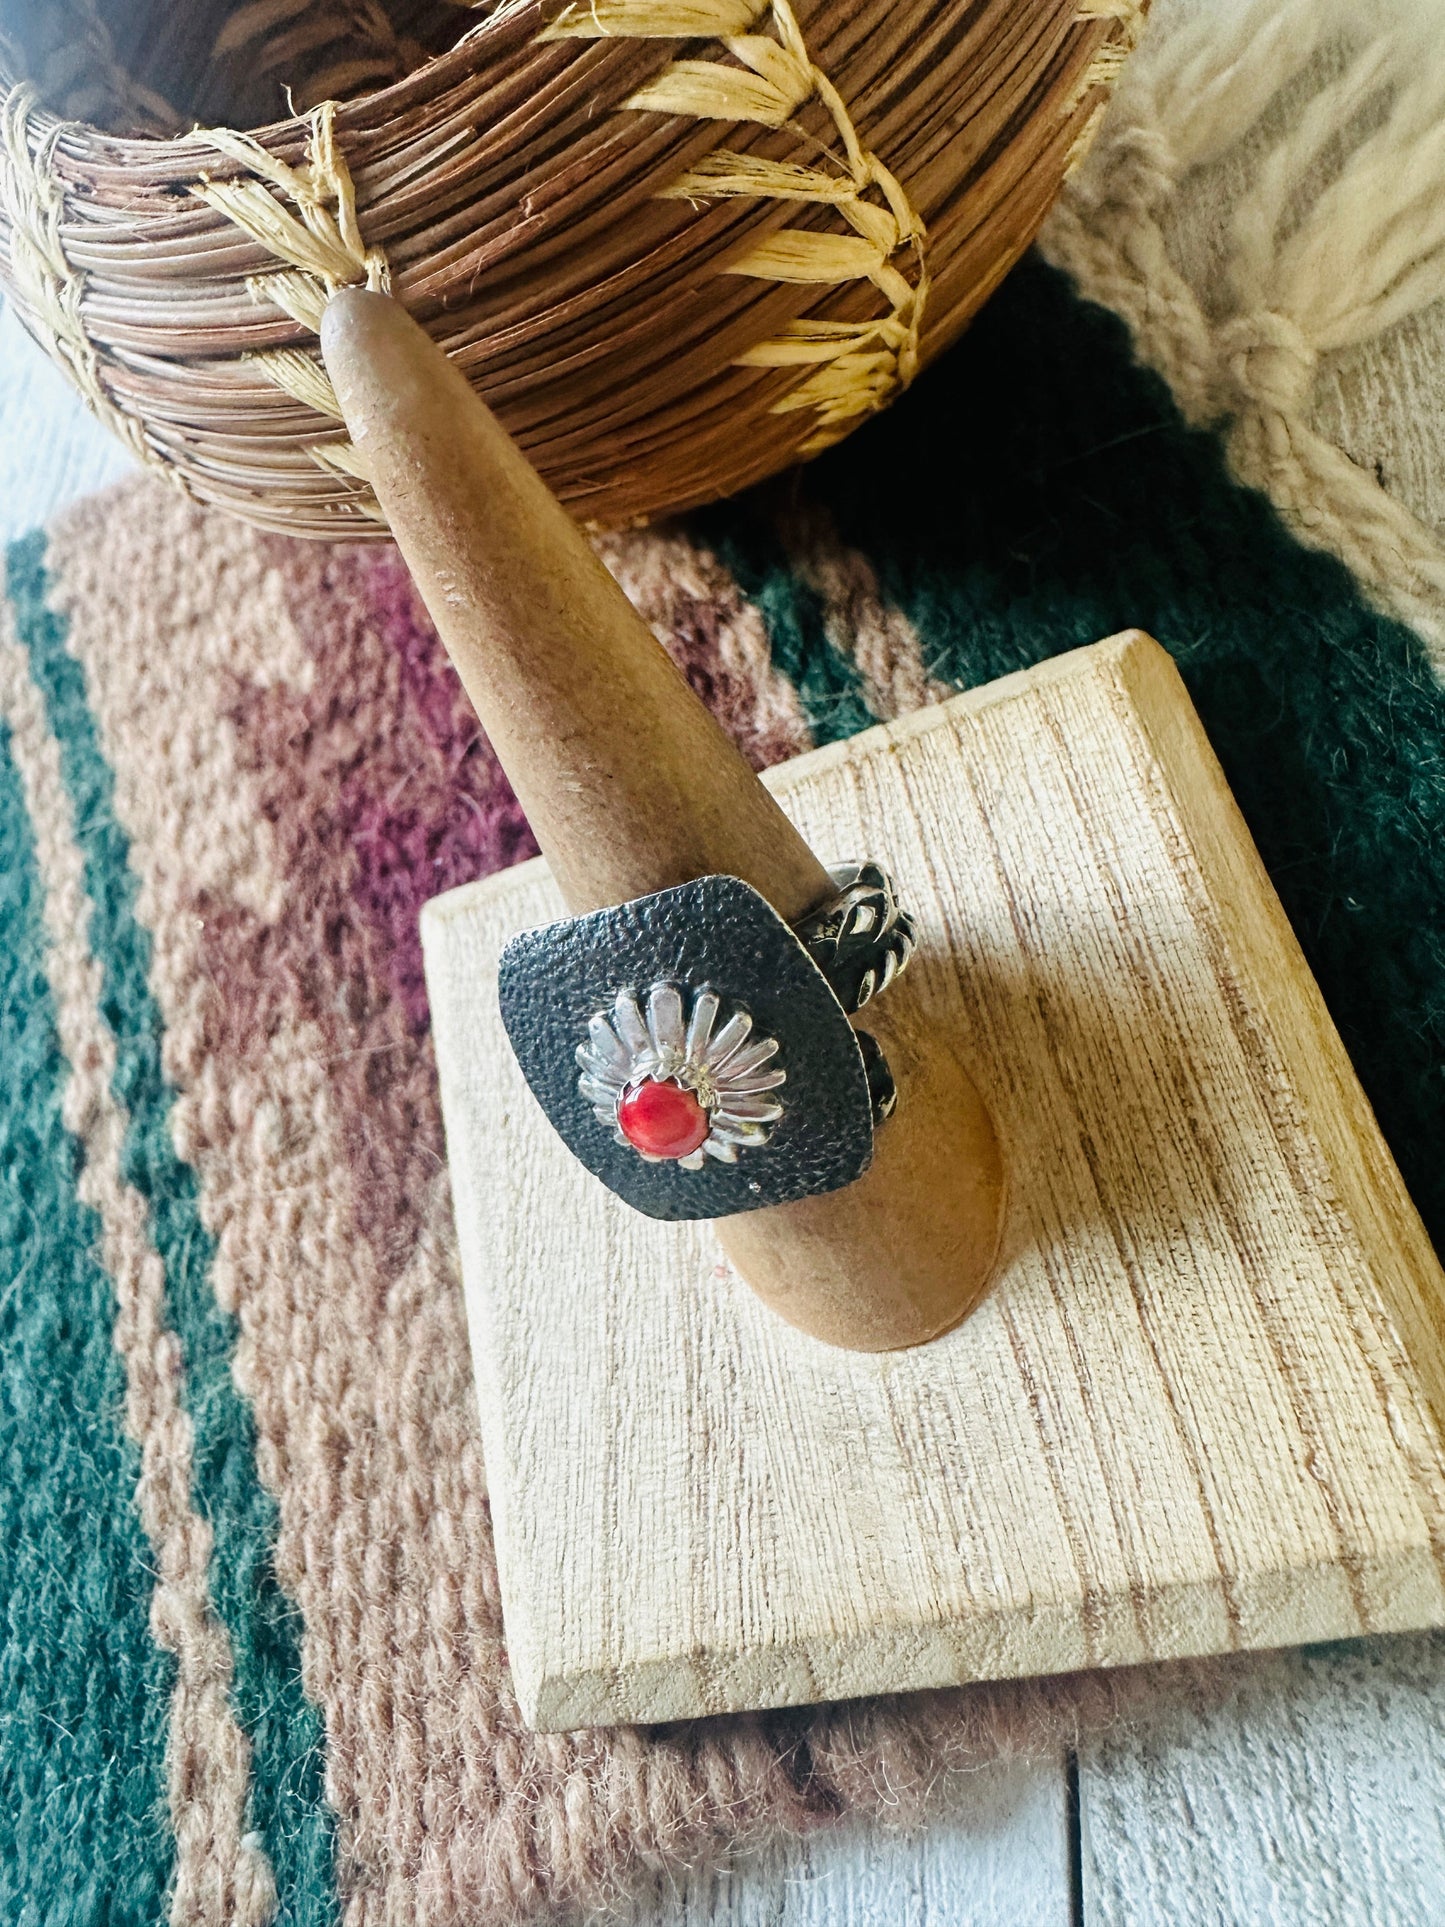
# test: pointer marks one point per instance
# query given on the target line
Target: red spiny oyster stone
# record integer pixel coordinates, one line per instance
(663, 1120)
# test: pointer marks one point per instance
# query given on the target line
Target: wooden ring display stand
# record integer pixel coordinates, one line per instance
(630, 786)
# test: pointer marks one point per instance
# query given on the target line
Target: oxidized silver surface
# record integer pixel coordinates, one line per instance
(671, 1033)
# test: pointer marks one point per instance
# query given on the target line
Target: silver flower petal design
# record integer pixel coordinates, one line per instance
(705, 1007)
(727, 1041)
(671, 1034)
(631, 1031)
(664, 1018)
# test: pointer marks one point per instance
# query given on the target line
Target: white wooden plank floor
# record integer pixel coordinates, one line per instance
(1311, 1797)
(998, 1857)
(51, 450)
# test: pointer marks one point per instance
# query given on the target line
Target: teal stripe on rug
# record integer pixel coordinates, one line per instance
(84, 1690)
(742, 536)
(287, 1802)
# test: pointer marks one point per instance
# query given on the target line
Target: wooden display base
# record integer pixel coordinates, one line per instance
(1200, 1406)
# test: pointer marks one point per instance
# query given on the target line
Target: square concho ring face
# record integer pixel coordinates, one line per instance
(689, 1052)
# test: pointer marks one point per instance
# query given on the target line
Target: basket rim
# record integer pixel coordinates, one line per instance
(434, 76)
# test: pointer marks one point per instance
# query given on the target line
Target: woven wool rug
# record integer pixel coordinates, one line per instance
(251, 1659)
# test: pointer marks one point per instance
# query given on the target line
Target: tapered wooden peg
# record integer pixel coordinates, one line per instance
(631, 786)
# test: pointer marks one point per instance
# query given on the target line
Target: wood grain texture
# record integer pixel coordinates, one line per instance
(997, 1855)
(1310, 1796)
(1315, 1794)
(1184, 1419)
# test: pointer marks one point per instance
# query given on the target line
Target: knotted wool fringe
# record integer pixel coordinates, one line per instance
(1338, 238)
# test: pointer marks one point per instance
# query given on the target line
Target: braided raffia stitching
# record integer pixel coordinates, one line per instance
(857, 366)
(1338, 237)
(51, 289)
(322, 244)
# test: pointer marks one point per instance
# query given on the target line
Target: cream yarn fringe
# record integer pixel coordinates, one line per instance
(1325, 123)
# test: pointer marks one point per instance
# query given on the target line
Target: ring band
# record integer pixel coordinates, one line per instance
(694, 1051)
(860, 939)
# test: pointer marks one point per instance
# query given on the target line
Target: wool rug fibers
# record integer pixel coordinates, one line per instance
(251, 1657)
(1265, 205)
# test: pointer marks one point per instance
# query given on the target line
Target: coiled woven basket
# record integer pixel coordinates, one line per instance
(678, 244)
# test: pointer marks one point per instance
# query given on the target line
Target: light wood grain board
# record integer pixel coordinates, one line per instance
(1000, 1856)
(1210, 1811)
(1194, 1412)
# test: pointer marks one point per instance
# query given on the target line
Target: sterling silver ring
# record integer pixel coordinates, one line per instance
(694, 1050)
